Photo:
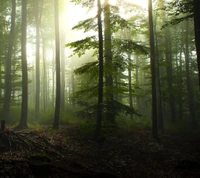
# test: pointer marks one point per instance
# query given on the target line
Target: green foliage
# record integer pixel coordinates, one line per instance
(128, 124)
(15, 112)
(117, 22)
(86, 95)
(90, 110)
(35, 126)
(89, 68)
(87, 128)
(128, 46)
(177, 21)
(84, 3)
(178, 7)
(178, 11)
(81, 46)
(86, 25)
(122, 108)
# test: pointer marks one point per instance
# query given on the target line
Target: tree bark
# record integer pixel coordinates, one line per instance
(24, 104)
(188, 79)
(108, 64)
(63, 34)
(100, 82)
(57, 45)
(153, 72)
(37, 61)
(168, 55)
(197, 32)
(130, 84)
(8, 66)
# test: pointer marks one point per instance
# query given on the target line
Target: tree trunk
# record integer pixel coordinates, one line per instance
(180, 85)
(63, 33)
(7, 95)
(197, 32)
(24, 105)
(108, 64)
(100, 82)
(168, 54)
(57, 45)
(159, 98)
(44, 83)
(37, 62)
(72, 87)
(188, 79)
(138, 100)
(153, 72)
(130, 84)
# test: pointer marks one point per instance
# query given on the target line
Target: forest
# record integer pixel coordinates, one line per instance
(100, 88)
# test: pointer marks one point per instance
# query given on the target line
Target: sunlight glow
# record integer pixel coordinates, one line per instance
(142, 3)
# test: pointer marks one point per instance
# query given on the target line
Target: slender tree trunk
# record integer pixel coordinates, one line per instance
(7, 95)
(108, 64)
(57, 44)
(1, 80)
(168, 54)
(180, 81)
(53, 79)
(100, 82)
(72, 87)
(137, 81)
(197, 32)
(153, 72)
(62, 74)
(158, 86)
(130, 84)
(24, 105)
(188, 79)
(62, 39)
(159, 98)
(37, 63)
(44, 77)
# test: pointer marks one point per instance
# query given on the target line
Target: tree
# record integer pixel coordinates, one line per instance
(115, 53)
(168, 57)
(62, 56)
(188, 79)
(37, 72)
(8, 80)
(197, 32)
(100, 83)
(183, 10)
(153, 72)
(24, 105)
(57, 45)
(108, 63)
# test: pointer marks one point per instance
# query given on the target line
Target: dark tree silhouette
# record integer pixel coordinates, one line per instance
(153, 72)
(197, 32)
(37, 72)
(24, 105)
(57, 44)
(100, 88)
(7, 96)
(108, 63)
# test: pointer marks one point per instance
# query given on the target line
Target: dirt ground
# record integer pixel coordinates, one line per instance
(65, 153)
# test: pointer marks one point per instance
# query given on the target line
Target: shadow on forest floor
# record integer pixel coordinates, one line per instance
(64, 153)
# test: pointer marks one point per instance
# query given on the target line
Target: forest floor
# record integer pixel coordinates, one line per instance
(128, 154)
